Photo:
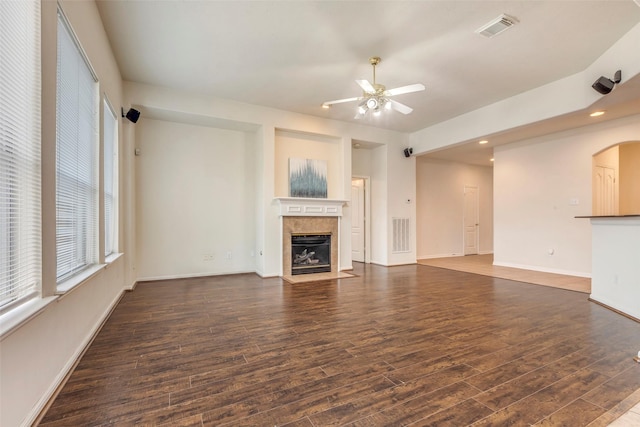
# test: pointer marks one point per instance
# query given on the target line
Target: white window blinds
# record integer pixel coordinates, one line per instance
(20, 265)
(76, 157)
(110, 138)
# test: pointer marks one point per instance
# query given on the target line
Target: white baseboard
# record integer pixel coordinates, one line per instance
(266, 276)
(447, 255)
(543, 269)
(189, 276)
(395, 264)
(47, 398)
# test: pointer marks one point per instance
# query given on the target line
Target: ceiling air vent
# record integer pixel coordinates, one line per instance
(497, 26)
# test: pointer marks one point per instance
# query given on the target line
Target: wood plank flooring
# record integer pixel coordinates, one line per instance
(483, 264)
(408, 345)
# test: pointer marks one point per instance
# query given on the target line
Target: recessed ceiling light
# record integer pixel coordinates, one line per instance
(484, 141)
(326, 106)
(596, 113)
(491, 159)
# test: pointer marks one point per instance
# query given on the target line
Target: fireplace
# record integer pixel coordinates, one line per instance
(310, 217)
(309, 226)
(310, 253)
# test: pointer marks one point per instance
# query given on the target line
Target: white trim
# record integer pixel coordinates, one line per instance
(397, 264)
(301, 206)
(543, 270)
(188, 276)
(447, 255)
(113, 256)
(367, 216)
(451, 255)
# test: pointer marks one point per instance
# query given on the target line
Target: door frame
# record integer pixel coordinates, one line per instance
(367, 216)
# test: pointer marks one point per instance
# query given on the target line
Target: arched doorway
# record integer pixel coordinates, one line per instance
(616, 180)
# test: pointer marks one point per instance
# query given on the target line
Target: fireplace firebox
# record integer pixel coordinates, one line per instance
(310, 253)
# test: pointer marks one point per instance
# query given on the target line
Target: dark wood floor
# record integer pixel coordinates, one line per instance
(409, 345)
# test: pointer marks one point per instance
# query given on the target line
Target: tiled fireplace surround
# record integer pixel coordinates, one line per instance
(308, 225)
(310, 216)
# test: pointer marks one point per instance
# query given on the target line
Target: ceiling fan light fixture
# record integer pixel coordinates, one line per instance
(375, 96)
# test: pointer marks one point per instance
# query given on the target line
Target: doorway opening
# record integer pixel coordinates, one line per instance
(616, 180)
(360, 219)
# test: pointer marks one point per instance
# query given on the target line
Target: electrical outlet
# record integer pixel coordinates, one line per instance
(228, 254)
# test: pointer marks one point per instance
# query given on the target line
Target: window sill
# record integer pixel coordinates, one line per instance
(12, 320)
(16, 317)
(112, 257)
(73, 282)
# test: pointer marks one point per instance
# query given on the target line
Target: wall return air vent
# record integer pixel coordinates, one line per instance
(497, 26)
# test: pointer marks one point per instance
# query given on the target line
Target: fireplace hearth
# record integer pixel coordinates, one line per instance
(310, 253)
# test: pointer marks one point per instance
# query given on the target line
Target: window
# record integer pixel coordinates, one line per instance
(20, 246)
(110, 133)
(76, 157)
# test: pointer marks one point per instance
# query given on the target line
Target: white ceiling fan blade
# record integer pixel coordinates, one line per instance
(405, 89)
(404, 109)
(339, 101)
(366, 86)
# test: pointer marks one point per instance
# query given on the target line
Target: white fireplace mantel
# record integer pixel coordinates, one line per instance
(301, 206)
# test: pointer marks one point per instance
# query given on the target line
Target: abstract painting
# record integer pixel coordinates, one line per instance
(308, 178)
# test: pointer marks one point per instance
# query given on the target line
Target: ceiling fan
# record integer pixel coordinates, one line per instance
(375, 97)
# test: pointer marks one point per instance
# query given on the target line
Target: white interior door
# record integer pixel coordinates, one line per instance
(471, 220)
(357, 220)
(605, 191)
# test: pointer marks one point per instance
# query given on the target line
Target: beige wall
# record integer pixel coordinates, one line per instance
(291, 144)
(195, 192)
(540, 186)
(440, 206)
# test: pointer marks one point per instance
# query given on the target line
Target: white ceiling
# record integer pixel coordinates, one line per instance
(294, 55)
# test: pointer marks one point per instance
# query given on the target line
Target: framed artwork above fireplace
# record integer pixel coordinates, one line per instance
(308, 178)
